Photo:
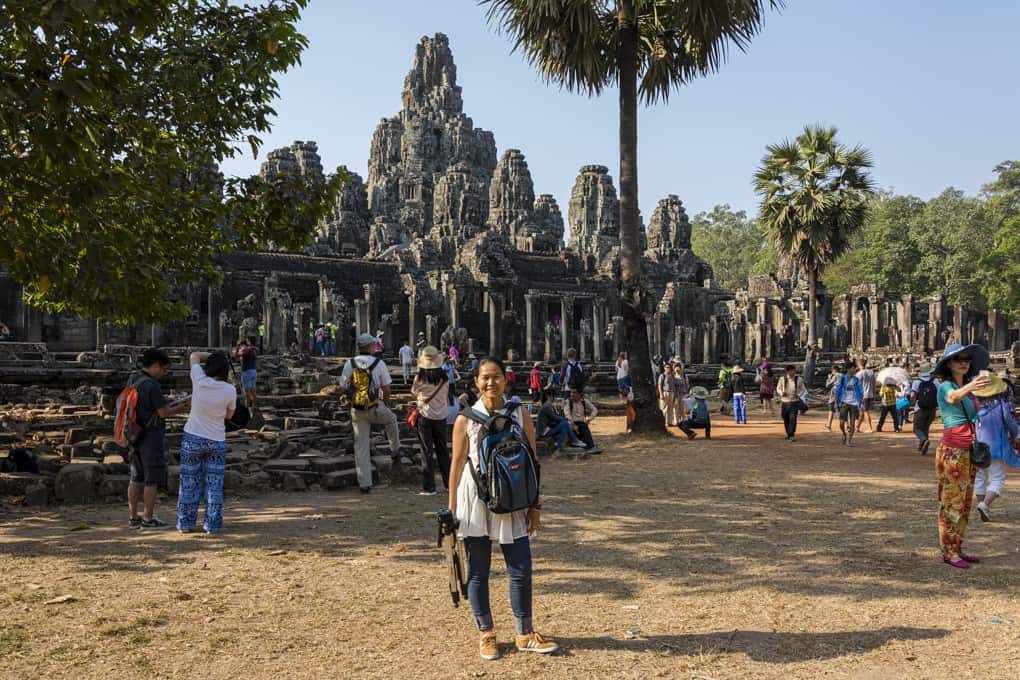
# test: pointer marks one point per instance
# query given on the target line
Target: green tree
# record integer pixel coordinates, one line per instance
(113, 116)
(999, 269)
(590, 45)
(730, 242)
(814, 200)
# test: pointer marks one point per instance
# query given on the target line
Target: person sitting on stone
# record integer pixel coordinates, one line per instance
(580, 412)
(552, 425)
(377, 413)
(697, 407)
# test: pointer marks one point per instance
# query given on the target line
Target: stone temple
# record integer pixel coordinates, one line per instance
(447, 237)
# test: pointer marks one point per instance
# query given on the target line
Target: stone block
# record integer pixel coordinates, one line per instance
(114, 486)
(293, 423)
(289, 465)
(37, 494)
(233, 479)
(255, 482)
(332, 464)
(82, 450)
(78, 484)
(78, 434)
(16, 483)
(340, 479)
(293, 482)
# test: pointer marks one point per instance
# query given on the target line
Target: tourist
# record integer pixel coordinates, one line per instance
(554, 379)
(766, 388)
(789, 388)
(431, 391)
(5, 333)
(867, 378)
(681, 388)
(511, 381)
(725, 390)
(353, 333)
(887, 401)
(631, 411)
(552, 425)
(330, 339)
(474, 362)
(406, 359)
(849, 398)
(699, 418)
(249, 370)
(996, 427)
(667, 404)
(377, 349)
(320, 339)
(420, 342)
(478, 526)
(311, 338)
(924, 391)
(452, 376)
(375, 412)
(580, 412)
(535, 381)
(148, 469)
(454, 354)
(738, 386)
(204, 444)
(622, 375)
(959, 408)
(835, 373)
(572, 374)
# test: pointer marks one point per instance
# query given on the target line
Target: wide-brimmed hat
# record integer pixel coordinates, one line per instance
(699, 392)
(995, 388)
(924, 371)
(738, 369)
(366, 339)
(429, 357)
(979, 358)
(538, 364)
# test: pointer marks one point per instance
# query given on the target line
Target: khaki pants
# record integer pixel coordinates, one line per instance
(363, 422)
(670, 409)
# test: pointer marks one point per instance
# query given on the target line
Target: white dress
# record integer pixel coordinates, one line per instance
(475, 519)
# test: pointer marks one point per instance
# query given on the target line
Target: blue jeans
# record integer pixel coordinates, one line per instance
(203, 462)
(561, 431)
(518, 567)
(739, 409)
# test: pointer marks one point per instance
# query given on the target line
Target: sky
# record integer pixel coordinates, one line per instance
(931, 87)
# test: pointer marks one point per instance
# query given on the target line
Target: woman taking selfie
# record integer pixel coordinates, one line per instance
(959, 408)
(479, 526)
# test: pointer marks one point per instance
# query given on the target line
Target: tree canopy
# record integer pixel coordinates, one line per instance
(113, 117)
(733, 244)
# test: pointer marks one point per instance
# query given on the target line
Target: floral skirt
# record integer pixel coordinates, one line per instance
(956, 494)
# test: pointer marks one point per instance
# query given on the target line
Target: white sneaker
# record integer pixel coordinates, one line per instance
(826, 428)
(986, 514)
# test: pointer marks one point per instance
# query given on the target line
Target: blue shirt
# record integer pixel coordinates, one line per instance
(699, 413)
(854, 383)
(960, 413)
(997, 428)
(449, 371)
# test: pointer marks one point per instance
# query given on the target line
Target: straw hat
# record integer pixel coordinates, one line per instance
(699, 392)
(429, 357)
(738, 369)
(538, 364)
(995, 388)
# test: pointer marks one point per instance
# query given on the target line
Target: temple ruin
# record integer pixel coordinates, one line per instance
(447, 237)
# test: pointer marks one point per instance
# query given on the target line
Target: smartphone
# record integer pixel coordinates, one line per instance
(984, 374)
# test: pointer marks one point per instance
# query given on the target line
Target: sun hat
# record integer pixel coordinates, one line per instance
(699, 392)
(924, 371)
(994, 389)
(366, 340)
(978, 354)
(738, 369)
(538, 364)
(429, 357)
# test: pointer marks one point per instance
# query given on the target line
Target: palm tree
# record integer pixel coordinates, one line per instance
(814, 199)
(589, 45)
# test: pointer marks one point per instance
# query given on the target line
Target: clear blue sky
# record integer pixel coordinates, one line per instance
(932, 87)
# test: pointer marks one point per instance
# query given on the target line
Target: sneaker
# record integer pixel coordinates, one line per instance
(154, 523)
(924, 449)
(487, 647)
(427, 493)
(826, 428)
(135, 523)
(692, 435)
(533, 642)
(593, 450)
(578, 445)
(986, 514)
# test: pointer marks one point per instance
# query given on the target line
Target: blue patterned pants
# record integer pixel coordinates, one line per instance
(739, 409)
(202, 464)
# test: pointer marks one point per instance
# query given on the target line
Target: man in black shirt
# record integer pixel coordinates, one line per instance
(148, 454)
(249, 372)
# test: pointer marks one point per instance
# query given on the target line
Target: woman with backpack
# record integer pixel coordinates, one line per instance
(958, 367)
(431, 389)
(478, 526)
(998, 428)
(204, 444)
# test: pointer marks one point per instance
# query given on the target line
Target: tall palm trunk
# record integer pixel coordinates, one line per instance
(812, 331)
(649, 418)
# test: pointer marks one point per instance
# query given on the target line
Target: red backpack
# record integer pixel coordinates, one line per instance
(126, 429)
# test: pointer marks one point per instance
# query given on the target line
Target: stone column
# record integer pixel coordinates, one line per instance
(412, 318)
(529, 332)
(617, 335)
(323, 315)
(598, 331)
(566, 322)
(495, 323)
(360, 319)
(454, 298)
(372, 307)
(876, 322)
(215, 306)
(155, 338)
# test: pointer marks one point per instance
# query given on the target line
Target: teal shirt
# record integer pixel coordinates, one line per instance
(954, 414)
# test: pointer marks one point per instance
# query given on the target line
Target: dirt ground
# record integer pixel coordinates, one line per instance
(743, 557)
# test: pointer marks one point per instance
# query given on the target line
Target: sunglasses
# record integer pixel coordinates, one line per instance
(961, 358)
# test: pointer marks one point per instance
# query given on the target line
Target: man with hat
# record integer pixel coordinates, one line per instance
(924, 393)
(378, 414)
(700, 419)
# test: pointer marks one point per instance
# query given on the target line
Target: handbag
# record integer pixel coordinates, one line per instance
(414, 415)
(980, 452)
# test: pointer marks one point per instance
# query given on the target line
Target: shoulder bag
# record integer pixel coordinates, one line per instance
(980, 453)
(414, 415)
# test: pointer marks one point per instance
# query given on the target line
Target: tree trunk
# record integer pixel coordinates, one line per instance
(812, 343)
(646, 403)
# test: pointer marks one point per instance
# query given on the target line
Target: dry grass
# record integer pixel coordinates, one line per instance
(740, 558)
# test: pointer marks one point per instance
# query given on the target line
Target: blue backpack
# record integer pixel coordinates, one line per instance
(508, 473)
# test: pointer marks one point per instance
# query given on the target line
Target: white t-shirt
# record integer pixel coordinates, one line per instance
(623, 370)
(210, 399)
(867, 378)
(380, 375)
(406, 355)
